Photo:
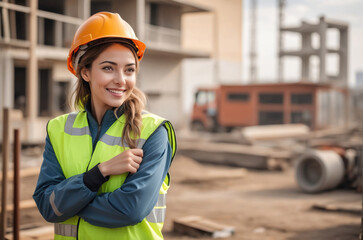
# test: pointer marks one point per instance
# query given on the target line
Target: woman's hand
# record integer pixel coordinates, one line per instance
(127, 161)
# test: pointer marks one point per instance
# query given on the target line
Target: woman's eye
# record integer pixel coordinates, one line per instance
(130, 70)
(107, 68)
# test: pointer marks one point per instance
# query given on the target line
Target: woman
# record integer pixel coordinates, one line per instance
(105, 168)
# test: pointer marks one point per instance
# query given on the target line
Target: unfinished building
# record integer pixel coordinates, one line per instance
(334, 104)
(35, 36)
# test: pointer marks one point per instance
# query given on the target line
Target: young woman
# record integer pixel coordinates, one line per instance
(105, 168)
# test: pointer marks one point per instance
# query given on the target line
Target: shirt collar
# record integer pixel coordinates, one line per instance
(109, 115)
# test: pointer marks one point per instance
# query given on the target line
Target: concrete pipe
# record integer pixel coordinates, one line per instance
(318, 170)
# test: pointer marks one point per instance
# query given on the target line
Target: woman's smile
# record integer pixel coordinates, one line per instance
(116, 92)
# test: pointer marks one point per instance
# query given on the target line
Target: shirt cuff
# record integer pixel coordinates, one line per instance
(94, 179)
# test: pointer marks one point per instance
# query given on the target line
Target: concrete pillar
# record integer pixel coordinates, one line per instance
(58, 34)
(343, 74)
(140, 19)
(32, 73)
(6, 26)
(84, 9)
(305, 59)
(323, 49)
(343, 57)
(7, 77)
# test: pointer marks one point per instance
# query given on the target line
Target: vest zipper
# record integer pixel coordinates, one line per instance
(93, 149)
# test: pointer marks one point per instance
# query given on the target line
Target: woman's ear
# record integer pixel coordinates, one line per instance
(85, 74)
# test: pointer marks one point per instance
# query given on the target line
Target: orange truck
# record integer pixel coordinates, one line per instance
(229, 106)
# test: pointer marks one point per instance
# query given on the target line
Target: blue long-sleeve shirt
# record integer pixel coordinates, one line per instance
(128, 205)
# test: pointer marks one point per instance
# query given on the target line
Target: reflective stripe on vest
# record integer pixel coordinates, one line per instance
(72, 130)
(157, 215)
(66, 230)
(107, 139)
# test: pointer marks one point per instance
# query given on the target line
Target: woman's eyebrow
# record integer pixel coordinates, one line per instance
(110, 62)
(113, 63)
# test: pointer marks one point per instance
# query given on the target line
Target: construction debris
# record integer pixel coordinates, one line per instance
(197, 226)
(256, 157)
(354, 207)
(270, 132)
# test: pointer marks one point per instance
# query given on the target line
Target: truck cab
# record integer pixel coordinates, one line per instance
(204, 116)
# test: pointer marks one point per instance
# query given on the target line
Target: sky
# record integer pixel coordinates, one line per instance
(349, 11)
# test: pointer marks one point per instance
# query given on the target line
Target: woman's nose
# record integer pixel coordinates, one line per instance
(120, 79)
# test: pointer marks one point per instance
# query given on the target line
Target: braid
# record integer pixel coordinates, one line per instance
(133, 110)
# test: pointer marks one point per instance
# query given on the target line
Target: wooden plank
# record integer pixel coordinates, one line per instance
(347, 207)
(197, 226)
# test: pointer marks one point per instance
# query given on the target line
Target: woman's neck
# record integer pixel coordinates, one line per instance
(98, 112)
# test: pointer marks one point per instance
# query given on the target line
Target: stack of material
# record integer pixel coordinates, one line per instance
(256, 157)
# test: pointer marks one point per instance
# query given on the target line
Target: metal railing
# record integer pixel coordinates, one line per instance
(162, 37)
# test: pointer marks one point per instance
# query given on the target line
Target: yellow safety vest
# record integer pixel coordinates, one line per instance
(71, 139)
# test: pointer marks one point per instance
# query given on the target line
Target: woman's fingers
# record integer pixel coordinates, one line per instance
(137, 152)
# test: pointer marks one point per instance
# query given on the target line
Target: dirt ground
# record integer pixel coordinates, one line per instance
(259, 204)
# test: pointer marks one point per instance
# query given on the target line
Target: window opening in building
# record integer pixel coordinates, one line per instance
(49, 27)
(21, 24)
(45, 93)
(154, 14)
(98, 6)
(60, 97)
(238, 97)
(52, 6)
(270, 117)
(271, 98)
(304, 117)
(20, 2)
(301, 98)
(20, 89)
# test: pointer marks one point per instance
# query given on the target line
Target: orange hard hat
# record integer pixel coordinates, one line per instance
(98, 26)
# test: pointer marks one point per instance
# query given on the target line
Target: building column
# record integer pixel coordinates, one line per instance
(7, 76)
(32, 73)
(140, 19)
(343, 57)
(84, 9)
(323, 50)
(305, 59)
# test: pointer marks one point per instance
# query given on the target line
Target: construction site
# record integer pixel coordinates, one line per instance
(277, 160)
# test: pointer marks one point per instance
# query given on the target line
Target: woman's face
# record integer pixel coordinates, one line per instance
(111, 77)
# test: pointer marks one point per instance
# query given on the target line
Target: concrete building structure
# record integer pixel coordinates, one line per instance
(334, 104)
(35, 36)
(322, 50)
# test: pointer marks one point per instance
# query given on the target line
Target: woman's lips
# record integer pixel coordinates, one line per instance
(116, 92)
